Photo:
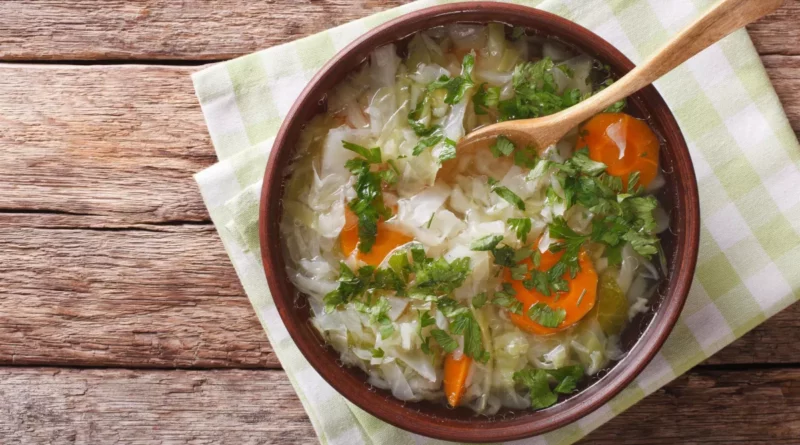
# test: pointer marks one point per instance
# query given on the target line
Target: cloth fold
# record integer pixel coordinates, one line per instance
(744, 151)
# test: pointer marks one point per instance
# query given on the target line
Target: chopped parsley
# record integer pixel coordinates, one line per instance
(425, 320)
(521, 226)
(511, 197)
(505, 298)
(546, 316)
(488, 242)
(485, 98)
(427, 142)
(438, 277)
(536, 92)
(423, 278)
(478, 301)
(538, 382)
(447, 150)
(567, 378)
(525, 157)
(378, 313)
(504, 256)
(368, 204)
(502, 146)
(464, 323)
(377, 353)
(445, 340)
(419, 115)
(457, 86)
(372, 155)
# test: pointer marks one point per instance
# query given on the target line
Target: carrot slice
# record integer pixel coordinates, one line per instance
(576, 302)
(456, 371)
(388, 239)
(625, 144)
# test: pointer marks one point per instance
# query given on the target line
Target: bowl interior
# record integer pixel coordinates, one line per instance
(642, 337)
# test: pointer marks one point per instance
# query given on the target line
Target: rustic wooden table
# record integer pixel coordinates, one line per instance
(121, 318)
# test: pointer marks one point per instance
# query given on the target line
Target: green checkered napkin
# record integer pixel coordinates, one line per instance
(745, 154)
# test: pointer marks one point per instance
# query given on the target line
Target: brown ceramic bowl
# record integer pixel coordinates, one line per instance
(643, 337)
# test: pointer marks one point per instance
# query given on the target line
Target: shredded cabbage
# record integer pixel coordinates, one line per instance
(444, 216)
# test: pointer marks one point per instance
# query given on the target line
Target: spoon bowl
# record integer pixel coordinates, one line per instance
(724, 18)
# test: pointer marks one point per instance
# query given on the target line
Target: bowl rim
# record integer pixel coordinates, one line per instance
(648, 343)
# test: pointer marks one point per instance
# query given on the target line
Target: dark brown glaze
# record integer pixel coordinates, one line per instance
(643, 337)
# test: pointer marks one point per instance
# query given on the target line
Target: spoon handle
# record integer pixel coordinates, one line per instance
(722, 19)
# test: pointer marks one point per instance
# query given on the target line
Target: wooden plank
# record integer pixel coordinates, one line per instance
(88, 406)
(85, 134)
(142, 296)
(784, 71)
(80, 291)
(240, 406)
(164, 30)
(779, 32)
(774, 341)
(747, 407)
(119, 141)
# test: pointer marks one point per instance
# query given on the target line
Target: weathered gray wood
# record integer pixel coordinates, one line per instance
(66, 406)
(200, 30)
(166, 30)
(77, 291)
(120, 141)
(72, 406)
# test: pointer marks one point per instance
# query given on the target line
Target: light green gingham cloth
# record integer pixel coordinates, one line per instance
(745, 155)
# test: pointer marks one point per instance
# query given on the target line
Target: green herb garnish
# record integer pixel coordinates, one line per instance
(546, 316)
(538, 383)
(484, 243)
(521, 226)
(502, 146)
(511, 197)
(445, 340)
(456, 86)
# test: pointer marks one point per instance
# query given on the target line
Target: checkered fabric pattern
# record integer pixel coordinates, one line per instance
(745, 154)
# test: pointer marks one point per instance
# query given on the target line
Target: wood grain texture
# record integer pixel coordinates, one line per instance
(164, 29)
(73, 137)
(76, 291)
(69, 406)
(201, 30)
(90, 291)
(73, 406)
(784, 71)
(102, 234)
(779, 33)
(723, 407)
(119, 141)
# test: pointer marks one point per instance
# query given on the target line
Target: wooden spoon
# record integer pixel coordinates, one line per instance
(542, 132)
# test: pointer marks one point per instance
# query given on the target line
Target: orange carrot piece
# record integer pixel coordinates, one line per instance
(576, 302)
(387, 239)
(455, 377)
(640, 151)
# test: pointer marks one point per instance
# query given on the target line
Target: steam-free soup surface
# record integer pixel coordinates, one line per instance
(496, 278)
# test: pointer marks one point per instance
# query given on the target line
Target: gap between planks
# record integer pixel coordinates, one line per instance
(167, 297)
(246, 406)
(116, 30)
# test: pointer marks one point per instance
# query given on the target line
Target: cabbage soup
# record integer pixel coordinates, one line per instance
(496, 278)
